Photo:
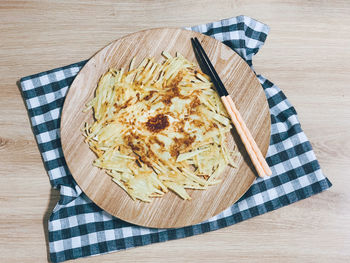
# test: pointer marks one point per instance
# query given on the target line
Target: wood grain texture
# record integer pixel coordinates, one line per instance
(169, 211)
(306, 54)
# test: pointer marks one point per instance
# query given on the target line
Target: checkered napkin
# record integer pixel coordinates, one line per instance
(78, 228)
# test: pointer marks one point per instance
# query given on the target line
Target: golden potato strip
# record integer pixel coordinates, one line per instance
(159, 126)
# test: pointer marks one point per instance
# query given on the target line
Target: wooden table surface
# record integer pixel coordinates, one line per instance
(307, 54)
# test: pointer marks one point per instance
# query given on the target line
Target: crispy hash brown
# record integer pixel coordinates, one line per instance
(159, 126)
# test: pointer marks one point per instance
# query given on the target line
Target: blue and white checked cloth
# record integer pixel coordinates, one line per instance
(78, 228)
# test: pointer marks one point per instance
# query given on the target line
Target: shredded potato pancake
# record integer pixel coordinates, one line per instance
(159, 126)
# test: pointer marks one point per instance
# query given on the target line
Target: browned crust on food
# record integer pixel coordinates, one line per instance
(181, 144)
(157, 123)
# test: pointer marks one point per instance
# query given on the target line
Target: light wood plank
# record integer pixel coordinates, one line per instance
(169, 211)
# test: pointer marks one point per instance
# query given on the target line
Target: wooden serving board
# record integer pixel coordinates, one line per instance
(169, 211)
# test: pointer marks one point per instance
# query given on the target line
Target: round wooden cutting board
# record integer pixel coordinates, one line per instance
(169, 211)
